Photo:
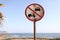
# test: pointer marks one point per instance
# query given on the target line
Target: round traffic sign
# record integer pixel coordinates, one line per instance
(34, 12)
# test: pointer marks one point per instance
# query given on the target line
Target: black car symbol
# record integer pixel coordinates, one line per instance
(31, 15)
(37, 9)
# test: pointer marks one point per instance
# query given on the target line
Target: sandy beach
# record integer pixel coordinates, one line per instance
(3, 37)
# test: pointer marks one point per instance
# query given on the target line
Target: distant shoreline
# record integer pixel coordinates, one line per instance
(4, 36)
(38, 35)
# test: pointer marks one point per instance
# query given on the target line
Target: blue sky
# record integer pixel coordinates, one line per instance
(16, 22)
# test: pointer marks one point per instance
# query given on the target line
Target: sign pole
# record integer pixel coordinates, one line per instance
(34, 30)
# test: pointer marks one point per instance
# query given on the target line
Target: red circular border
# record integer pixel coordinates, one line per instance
(34, 4)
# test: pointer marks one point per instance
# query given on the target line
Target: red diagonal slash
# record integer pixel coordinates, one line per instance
(34, 12)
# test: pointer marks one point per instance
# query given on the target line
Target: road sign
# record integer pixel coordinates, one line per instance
(34, 12)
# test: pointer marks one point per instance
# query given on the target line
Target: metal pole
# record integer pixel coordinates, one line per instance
(34, 30)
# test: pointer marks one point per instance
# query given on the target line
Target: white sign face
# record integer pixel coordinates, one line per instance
(34, 12)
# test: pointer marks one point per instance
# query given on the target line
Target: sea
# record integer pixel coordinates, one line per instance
(38, 35)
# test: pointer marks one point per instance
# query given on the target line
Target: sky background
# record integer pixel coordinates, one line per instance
(16, 21)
